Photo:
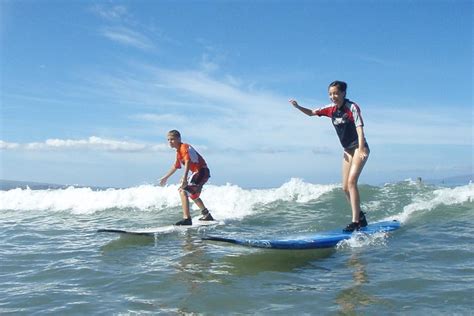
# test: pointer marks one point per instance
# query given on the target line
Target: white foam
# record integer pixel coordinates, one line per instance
(231, 201)
(444, 196)
(226, 202)
(361, 240)
(86, 200)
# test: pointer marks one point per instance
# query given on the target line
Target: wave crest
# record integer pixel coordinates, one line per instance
(226, 201)
(443, 196)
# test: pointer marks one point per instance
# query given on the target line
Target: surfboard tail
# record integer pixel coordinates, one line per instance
(120, 231)
(223, 239)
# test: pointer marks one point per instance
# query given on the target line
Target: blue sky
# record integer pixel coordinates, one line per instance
(89, 89)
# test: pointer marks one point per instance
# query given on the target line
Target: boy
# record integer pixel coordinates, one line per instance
(192, 161)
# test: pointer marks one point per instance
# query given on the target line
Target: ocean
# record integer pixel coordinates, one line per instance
(53, 261)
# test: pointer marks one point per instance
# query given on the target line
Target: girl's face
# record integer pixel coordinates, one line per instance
(336, 96)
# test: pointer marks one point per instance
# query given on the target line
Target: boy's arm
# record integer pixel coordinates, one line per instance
(169, 174)
(184, 179)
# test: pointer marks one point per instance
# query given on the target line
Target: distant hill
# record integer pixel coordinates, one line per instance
(10, 184)
(455, 180)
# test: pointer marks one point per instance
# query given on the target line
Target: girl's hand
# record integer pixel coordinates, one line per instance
(293, 102)
(363, 153)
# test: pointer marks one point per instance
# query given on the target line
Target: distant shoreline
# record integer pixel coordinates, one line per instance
(13, 184)
(459, 180)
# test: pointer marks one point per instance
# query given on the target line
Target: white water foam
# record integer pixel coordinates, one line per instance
(361, 240)
(86, 200)
(226, 202)
(444, 196)
(233, 202)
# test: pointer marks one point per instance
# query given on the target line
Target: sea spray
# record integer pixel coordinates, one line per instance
(443, 196)
(226, 201)
(234, 202)
(87, 200)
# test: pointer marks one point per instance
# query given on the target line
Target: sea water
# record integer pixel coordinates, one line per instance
(53, 261)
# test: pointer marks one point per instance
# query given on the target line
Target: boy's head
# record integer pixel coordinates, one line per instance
(174, 138)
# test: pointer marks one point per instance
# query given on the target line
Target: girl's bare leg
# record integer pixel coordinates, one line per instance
(346, 167)
(352, 166)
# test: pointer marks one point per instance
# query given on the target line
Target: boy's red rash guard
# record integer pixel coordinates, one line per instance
(185, 153)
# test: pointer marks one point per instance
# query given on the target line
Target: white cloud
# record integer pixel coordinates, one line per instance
(161, 118)
(6, 145)
(91, 143)
(128, 37)
(375, 60)
(240, 130)
(116, 12)
(120, 26)
(222, 112)
(398, 126)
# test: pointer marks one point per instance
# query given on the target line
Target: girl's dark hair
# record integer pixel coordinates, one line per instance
(341, 85)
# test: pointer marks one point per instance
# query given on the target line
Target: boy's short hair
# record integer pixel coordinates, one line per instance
(174, 133)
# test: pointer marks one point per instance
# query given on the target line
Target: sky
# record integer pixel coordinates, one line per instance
(89, 89)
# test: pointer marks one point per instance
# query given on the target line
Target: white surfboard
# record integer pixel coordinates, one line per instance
(150, 231)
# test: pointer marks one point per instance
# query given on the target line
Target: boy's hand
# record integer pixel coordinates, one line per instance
(184, 182)
(163, 181)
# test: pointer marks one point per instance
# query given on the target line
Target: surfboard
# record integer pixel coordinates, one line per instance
(151, 231)
(326, 239)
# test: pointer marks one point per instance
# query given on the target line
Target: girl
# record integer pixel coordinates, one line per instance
(347, 121)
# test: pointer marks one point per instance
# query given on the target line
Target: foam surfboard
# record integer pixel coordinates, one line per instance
(326, 239)
(151, 231)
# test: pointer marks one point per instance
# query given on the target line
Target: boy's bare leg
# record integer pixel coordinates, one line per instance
(200, 203)
(206, 215)
(185, 204)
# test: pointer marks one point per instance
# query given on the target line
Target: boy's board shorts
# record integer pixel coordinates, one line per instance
(194, 188)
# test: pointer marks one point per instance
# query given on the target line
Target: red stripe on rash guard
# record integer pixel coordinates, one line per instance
(356, 115)
(327, 110)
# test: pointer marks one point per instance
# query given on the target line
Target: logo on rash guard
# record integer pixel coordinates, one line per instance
(340, 120)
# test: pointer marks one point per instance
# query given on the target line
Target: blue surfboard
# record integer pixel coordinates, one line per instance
(325, 239)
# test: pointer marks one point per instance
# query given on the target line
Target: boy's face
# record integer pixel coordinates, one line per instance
(174, 141)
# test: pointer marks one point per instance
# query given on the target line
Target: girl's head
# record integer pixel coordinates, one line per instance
(341, 85)
(337, 92)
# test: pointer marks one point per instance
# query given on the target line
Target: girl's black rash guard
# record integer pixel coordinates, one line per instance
(345, 120)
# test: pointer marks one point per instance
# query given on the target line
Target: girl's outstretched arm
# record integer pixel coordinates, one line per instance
(302, 109)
